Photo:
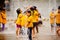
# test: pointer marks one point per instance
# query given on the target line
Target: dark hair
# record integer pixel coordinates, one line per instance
(35, 8)
(0, 9)
(3, 9)
(58, 7)
(18, 11)
(28, 11)
(32, 8)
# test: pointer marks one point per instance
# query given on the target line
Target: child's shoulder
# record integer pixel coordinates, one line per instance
(31, 17)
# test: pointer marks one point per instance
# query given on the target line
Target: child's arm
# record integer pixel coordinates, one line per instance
(28, 23)
(3, 16)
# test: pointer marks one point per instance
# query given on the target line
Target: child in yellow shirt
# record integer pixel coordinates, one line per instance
(52, 19)
(29, 24)
(58, 21)
(4, 21)
(35, 19)
(18, 22)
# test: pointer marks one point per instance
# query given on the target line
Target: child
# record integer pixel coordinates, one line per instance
(29, 24)
(18, 22)
(23, 24)
(34, 13)
(3, 14)
(36, 18)
(52, 19)
(58, 20)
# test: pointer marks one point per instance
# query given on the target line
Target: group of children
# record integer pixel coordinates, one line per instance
(55, 19)
(2, 18)
(29, 20)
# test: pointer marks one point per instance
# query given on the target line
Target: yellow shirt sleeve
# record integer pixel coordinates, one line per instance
(35, 13)
(4, 15)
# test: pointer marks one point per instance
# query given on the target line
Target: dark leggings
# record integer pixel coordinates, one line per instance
(3, 26)
(30, 33)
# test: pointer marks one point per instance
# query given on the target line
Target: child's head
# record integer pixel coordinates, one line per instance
(18, 10)
(3, 10)
(34, 7)
(58, 8)
(28, 13)
(52, 10)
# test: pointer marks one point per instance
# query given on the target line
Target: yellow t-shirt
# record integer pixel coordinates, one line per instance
(30, 21)
(24, 21)
(19, 19)
(52, 18)
(4, 21)
(57, 18)
(35, 16)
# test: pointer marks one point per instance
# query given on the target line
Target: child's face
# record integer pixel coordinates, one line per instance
(20, 10)
(28, 14)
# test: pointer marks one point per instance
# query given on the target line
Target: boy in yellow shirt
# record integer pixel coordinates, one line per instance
(52, 19)
(29, 24)
(23, 24)
(4, 21)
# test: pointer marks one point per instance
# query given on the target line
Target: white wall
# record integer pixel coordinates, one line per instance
(42, 5)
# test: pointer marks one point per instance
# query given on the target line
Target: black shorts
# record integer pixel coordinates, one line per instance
(35, 24)
(40, 22)
(58, 24)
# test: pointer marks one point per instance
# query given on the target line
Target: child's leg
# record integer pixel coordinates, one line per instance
(33, 29)
(18, 30)
(30, 33)
(52, 26)
(37, 29)
(33, 32)
(3, 26)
